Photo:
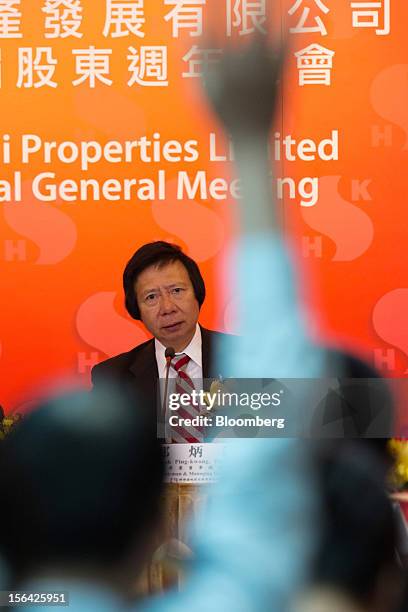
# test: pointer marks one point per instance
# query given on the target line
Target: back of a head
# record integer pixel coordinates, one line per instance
(81, 478)
(362, 407)
(358, 536)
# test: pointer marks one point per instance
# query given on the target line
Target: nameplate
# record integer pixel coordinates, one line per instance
(192, 463)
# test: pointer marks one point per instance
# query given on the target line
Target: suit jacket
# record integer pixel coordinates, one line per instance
(137, 371)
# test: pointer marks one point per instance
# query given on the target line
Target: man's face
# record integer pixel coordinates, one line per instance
(167, 304)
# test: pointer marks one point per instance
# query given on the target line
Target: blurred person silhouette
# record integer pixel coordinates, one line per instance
(404, 605)
(81, 478)
(359, 405)
(257, 538)
(253, 545)
(356, 567)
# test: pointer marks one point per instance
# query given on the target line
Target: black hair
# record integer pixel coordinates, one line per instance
(81, 481)
(158, 254)
(362, 407)
(358, 535)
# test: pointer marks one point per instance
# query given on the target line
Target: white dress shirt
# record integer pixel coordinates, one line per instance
(194, 368)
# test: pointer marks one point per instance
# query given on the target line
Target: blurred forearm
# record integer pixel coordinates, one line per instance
(257, 207)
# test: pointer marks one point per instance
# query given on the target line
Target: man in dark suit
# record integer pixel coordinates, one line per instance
(164, 289)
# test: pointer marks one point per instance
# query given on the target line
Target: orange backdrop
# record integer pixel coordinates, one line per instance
(62, 261)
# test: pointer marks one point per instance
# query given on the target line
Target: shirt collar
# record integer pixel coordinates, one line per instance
(193, 350)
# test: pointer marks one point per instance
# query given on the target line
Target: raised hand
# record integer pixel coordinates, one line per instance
(243, 87)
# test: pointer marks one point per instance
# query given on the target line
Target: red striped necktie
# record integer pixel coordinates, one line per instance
(184, 385)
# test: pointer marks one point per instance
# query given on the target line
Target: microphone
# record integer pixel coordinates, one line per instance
(169, 354)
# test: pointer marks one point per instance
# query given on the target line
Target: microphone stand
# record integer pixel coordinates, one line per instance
(169, 354)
